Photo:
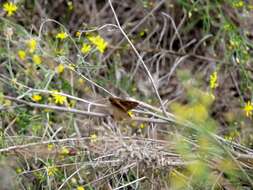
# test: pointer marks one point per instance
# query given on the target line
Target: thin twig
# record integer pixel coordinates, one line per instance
(140, 58)
(58, 108)
(132, 182)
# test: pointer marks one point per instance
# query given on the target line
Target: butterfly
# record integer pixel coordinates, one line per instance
(120, 107)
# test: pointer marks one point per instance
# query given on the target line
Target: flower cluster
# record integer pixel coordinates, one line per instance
(93, 138)
(238, 4)
(31, 46)
(99, 42)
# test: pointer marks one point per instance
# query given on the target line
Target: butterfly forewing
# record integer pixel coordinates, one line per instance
(125, 105)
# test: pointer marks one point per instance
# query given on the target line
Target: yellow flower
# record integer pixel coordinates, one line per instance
(64, 151)
(22, 54)
(85, 48)
(93, 138)
(80, 188)
(99, 42)
(32, 43)
(70, 5)
(61, 35)
(142, 126)
(51, 170)
(213, 80)
(50, 147)
(248, 108)
(36, 97)
(81, 81)
(18, 170)
(10, 8)
(78, 34)
(238, 4)
(60, 68)
(130, 113)
(36, 59)
(59, 99)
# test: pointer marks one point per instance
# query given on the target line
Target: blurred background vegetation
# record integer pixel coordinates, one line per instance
(188, 63)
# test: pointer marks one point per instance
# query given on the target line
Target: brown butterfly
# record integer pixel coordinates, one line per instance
(120, 107)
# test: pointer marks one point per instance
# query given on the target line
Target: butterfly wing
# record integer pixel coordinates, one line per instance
(125, 105)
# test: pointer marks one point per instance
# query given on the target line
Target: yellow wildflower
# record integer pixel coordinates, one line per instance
(61, 35)
(238, 4)
(80, 188)
(70, 5)
(36, 59)
(18, 170)
(142, 126)
(50, 147)
(51, 170)
(64, 151)
(213, 80)
(32, 43)
(60, 68)
(248, 108)
(78, 34)
(85, 48)
(81, 81)
(36, 97)
(10, 8)
(22, 54)
(130, 113)
(93, 138)
(99, 42)
(59, 99)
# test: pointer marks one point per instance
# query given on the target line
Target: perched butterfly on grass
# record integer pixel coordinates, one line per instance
(120, 108)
